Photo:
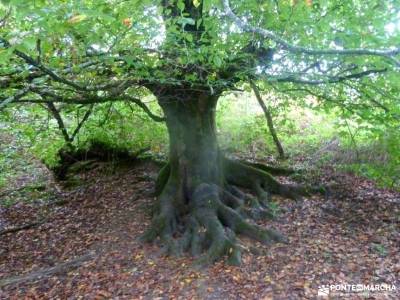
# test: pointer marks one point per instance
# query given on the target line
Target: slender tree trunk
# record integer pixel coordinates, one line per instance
(270, 123)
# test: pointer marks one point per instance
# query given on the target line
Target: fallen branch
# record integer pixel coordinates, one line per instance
(43, 273)
(22, 227)
(98, 151)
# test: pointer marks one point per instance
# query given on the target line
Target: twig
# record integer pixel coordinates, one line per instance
(353, 140)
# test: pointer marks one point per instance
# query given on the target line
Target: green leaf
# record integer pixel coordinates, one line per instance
(196, 3)
(29, 43)
(181, 5)
(185, 21)
(77, 19)
(5, 55)
(189, 38)
(217, 61)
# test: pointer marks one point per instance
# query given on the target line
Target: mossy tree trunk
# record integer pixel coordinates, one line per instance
(200, 207)
(194, 156)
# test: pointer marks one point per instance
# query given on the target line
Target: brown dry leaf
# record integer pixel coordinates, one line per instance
(127, 22)
(101, 215)
(100, 295)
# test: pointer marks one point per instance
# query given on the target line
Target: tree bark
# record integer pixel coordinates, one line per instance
(194, 156)
(200, 207)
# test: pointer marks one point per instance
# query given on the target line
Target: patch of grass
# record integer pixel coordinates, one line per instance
(380, 249)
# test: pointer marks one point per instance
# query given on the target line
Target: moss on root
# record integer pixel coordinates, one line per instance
(263, 183)
(209, 229)
(206, 222)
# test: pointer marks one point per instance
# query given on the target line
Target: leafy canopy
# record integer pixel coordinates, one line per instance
(85, 52)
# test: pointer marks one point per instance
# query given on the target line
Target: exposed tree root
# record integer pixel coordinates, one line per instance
(206, 222)
(247, 206)
(272, 170)
(262, 183)
(97, 151)
(279, 171)
(209, 223)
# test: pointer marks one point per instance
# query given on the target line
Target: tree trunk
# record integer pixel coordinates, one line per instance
(193, 155)
(270, 123)
(200, 207)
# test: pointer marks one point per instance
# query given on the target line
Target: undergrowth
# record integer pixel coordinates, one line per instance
(312, 139)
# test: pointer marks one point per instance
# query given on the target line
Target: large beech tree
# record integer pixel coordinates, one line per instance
(187, 53)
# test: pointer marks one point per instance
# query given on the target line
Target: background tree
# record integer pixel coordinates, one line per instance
(187, 53)
(270, 122)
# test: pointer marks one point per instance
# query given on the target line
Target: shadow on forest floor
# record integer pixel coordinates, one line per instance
(87, 243)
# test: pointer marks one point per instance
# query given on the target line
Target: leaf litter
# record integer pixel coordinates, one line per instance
(350, 237)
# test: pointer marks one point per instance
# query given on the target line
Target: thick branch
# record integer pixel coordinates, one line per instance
(330, 79)
(31, 61)
(145, 109)
(15, 97)
(58, 78)
(389, 53)
(85, 99)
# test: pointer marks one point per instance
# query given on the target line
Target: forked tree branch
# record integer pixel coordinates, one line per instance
(47, 97)
(80, 124)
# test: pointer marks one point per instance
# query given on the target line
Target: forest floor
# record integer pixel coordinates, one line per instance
(83, 242)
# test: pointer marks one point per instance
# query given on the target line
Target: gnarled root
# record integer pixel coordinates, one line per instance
(247, 206)
(262, 183)
(205, 220)
(279, 171)
(207, 226)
